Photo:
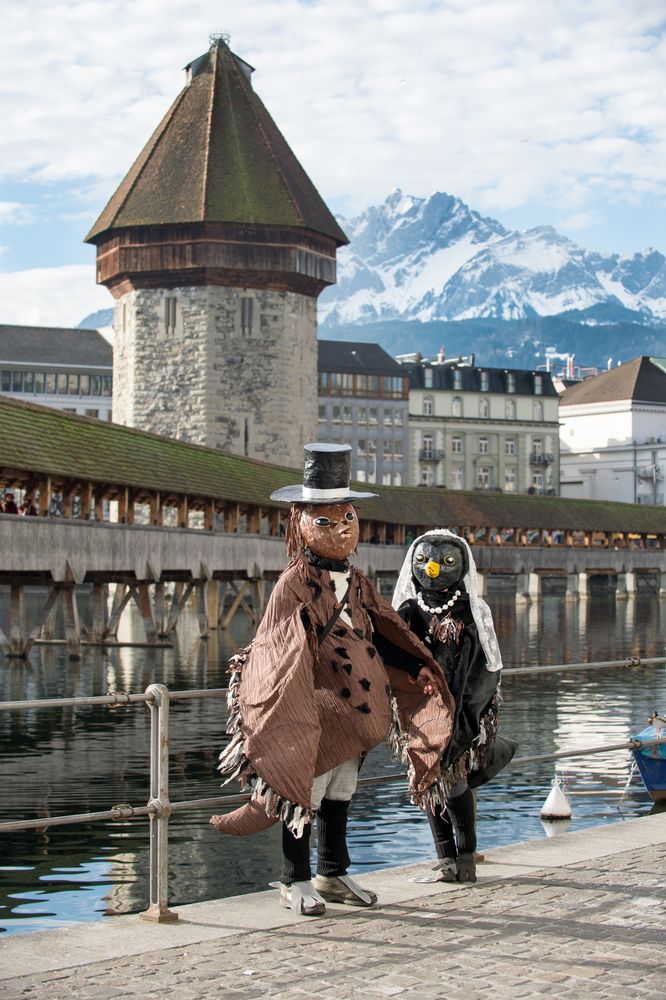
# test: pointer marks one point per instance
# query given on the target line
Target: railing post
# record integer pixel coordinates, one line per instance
(159, 807)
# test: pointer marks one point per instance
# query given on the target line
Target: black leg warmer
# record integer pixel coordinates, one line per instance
(442, 833)
(462, 814)
(332, 855)
(295, 856)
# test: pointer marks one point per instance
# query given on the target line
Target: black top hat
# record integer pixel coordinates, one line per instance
(326, 475)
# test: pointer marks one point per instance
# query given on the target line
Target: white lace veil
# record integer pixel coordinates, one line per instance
(405, 590)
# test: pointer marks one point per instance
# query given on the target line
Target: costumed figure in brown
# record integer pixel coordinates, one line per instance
(437, 595)
(331, 670)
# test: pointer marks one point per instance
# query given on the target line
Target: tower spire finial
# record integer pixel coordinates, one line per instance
(216, 37)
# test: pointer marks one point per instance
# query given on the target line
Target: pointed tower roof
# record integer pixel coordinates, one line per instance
(217, 157)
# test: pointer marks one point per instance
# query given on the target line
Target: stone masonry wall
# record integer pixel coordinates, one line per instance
(233, 369)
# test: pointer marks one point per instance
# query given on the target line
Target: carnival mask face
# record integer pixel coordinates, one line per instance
(330, 530)
(438, 564)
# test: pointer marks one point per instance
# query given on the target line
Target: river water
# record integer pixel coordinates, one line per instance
(76, 760)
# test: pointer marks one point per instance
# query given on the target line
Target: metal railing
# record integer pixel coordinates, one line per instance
(159, 806)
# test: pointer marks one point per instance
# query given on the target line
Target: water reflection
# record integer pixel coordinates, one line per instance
(74, 760)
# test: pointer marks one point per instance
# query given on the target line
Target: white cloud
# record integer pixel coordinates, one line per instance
(15, 213)
(51, 296)
(428, 94)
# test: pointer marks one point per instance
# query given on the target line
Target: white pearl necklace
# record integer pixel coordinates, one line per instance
(437, 611)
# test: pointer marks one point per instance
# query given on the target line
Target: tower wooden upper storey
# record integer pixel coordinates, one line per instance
(216, 197)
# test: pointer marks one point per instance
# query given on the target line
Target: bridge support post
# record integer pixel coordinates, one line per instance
(583, 585)
(662, 584)
(573, 583)
(202, 607)
(626, 586)
(145, 606)
(528, 588)
(213, 604)
(16, 616)
(98, 612)
(72, 622)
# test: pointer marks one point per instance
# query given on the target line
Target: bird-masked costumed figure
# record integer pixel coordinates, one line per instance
(332, 666)
(437, 595)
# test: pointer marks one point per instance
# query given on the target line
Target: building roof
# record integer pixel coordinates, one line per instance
(642, 379)
(39, 440)
(217, 156)
(442, 378)
(46, 345)
(355, 356)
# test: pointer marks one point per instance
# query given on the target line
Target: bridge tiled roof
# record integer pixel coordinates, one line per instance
(43, 441)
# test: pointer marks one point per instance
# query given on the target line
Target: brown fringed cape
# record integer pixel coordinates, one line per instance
(298, 708)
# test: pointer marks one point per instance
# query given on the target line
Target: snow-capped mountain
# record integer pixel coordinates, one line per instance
(436, 259)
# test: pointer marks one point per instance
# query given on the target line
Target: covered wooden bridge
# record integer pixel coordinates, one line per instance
(165, 520)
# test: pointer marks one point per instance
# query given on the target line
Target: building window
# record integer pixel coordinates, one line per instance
(483, 477)
(537, 480)
(96, 385)
(321, 418)
(17, 381)
(426, 442)
(484, 381)
(397, 418)
(346, 384)
(107, 385)
(510, 479)
(388, 450)
(538, 385)
(457, 380)
(85, 385)
(362, 447)
(427, 475)
(484, 409)
(483, 446)
(538, 410)
(427, 406)
(170, 307)
(247, 315)
(537, 448)
(93, 413)
(61, 383)
(5, 381)
(397, 450)
(51, 383)
(510, 409)
(388, 417)
(427, 378)
(457, 477)
(456, 444)
(372, 415)
(73, 385)
(39, 382)
(397, 478)
(510, 446)
(510, 382)
(457, 406)
(362, 415)
(337, 414)
(28, 381)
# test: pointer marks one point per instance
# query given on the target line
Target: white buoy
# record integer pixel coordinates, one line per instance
(557, 805)
(555, 828)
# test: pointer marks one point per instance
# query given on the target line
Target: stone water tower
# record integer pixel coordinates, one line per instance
(215, 247)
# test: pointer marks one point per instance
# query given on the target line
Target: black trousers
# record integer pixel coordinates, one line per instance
(332, 853)
(454, 828)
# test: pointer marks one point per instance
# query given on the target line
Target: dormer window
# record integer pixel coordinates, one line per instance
(427, 377)
(484, 381)
(510, 382)
(538, 385)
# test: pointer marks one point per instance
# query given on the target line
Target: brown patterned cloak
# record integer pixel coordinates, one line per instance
(298, 708)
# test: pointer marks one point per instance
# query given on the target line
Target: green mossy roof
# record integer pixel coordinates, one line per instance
(217, 156)
(39, 440)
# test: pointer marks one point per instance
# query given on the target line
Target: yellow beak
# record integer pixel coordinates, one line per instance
(432, 569)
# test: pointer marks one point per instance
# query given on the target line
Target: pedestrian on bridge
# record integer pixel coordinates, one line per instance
(9, 504)
(313, 693)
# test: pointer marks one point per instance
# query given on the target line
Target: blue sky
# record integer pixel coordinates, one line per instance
(536, 113)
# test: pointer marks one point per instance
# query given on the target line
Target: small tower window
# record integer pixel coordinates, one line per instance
(170, 312)
(247, 315)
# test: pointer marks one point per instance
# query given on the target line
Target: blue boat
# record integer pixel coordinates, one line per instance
(651, 761)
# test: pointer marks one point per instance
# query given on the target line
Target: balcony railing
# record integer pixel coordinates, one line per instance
(431, 455)
(541, 458)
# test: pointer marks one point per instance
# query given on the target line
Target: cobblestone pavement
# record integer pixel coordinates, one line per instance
(592, 929)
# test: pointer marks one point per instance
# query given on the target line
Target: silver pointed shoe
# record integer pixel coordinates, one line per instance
(343, 889)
